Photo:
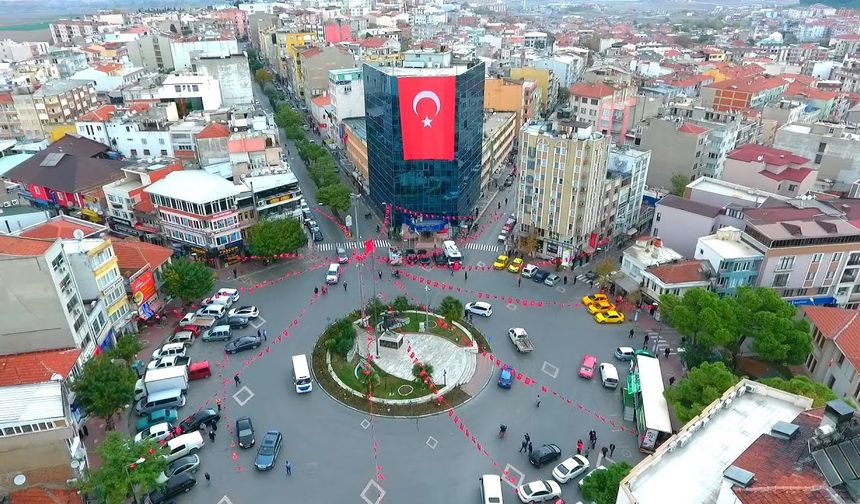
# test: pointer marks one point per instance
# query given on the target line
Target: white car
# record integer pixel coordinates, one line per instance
(570, 468)
(233, 293)
(155, 433)
(186, 337)
(244, 311)
(598, 468)
(529, 270)
(480, 308)
(539, 491)
(218, 299)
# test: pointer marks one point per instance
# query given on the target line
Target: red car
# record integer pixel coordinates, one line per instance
(196, 329)
(586, 369)
(198, 370)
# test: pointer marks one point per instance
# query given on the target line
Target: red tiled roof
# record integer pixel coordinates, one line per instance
(820, 494)
(5, 98)
(36, 367)
(310, 53)
(145, 204)
(101, 114)
(693, 129)
(214, 130)
(373, 42)
(133, 255)
(777, 157)
(41, 495)
(591, 90)
(23, 247)
(840, 325)
(766, 215)
(322, 101)
(672, 53)
(58, 228)
(790, 174)
(680, 272)
(107, 67)
(753, 84)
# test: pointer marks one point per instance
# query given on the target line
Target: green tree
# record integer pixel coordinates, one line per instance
(602, 486)
(451, 308)
(702, 386)
(767, 318)
(272, 237)
(188, 280)
(679, 184)
(374, 309)
(336, 196)
(801, 385)
(125, 467)
(105, 387)
(341, 337)
(702, 316)
(605, 271)
(262, 76)
(401, 304)
(127, 347)
(294, 132)
(529, 244)
(418, 367)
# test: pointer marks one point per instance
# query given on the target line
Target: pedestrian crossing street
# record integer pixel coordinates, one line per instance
(331, 247)
(485, 247)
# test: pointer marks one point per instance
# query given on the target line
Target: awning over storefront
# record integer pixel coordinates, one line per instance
(632, 231)
(588, 250)
(816, 301)
(428, 226)
(625, 283)
(143, 227)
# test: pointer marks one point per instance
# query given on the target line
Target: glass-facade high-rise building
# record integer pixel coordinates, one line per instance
(438, 187)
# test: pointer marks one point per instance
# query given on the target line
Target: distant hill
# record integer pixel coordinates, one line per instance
(850, 4)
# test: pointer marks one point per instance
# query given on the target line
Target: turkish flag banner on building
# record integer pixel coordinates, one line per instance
(427, 118)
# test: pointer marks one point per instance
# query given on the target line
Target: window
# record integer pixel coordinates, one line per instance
(163, 152)
(810, 276)
(837, 257)
(841, 358)
(785, 263)
(658, 217)
(816, 258)
(134, 152)
(145, 152)
(780, 280)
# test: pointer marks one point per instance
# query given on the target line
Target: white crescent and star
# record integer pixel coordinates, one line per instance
(428, 95)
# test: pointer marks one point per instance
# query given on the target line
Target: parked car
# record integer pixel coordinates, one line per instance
(539, 491)
(501, 262)
(610, 317)
(156, 433)
(317, 235)
(174, 486)
(245, 432)
(540, 275)
(552, 280)
(206, 416)
(426, 259)
(244, 311)
(186, 337)
(570, 468)
(199, 370)
(516, 265)
(600, 306)
(187, 464)
(506, 378)
(544, 454)
(440, 259)
(342, 256)
(480, 308)
(156, 417)
(237, 321)
(242, 343)
(625, 353)
(529, 270)
(594, 298)
(267, 454)
(586, 369)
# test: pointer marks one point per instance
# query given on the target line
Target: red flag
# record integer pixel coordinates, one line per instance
(369, 247)
(427, 120)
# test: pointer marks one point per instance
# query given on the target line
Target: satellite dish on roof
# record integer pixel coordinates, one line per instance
(20, 480)
(78, 234)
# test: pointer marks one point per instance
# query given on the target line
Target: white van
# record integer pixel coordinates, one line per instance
(213, 310)
(171, 399)
(491, 489)
(233, 294)
(608, 375)
(169, 349)
(301, 374)
(186, 444)
(333, 273)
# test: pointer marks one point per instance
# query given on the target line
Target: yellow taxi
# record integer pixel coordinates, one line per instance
(609, 317)
(516, 265)
(600, 307)
(501, 262)
(587, 300)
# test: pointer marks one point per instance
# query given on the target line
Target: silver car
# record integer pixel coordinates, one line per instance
(552, 280)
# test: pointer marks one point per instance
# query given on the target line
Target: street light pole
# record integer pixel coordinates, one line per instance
(427, 309)
(130, 483)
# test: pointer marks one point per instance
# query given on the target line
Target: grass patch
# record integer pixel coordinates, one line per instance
(26, 27)
(387, 386)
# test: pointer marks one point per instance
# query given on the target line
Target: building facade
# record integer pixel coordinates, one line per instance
(630, 165)
(734, 262)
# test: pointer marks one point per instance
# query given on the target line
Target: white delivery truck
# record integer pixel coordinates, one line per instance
(157, 380)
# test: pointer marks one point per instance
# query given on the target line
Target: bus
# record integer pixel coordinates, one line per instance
(452, 252)
(644, 401)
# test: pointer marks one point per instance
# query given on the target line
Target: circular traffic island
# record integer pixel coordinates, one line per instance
(399, 363)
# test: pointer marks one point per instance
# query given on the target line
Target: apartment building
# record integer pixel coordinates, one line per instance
(631, 167)
(562, 167)
(122, 195)
(567, 68)
(774, 170)
(190, 92)
(499, 135)
(677, 148)
(11, 50)
(10, 125)
(57, 102)
(232, 74)
(143, 133)
(521, 97)
(67, 31)
(377, 51)
(316, 63)
(152, 52)
(212, 144)
(269, 194)
(609, 108)
(253, 150)
(346, 89)
(355, 141)
(545, 81)
(734, 262)
(832, 149)
(198, 214)
(743, 94)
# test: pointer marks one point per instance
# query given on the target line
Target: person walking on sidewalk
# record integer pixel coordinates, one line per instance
(236, 379)
(579, 446)
(631, 333)
(344, 286)
(537, 404)
(212, 436)
(208, 478)
(524, 446)
(666, 352)
(530, 447)
(604, 451)
(611, 449)
(288, 467)
(235, 275)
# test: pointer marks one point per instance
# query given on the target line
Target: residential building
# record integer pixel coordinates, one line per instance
(679, 222)
(269, 194)
(521, 97)
(676, 278)
(769, 169)
(721, 462)
(834, 360)
(442, 183)
(377, 51)
(567, 68)
(183, 136)
(845, 45)
(833, 149)
(499, 135)
(236, 17)
(734, 262)
(232, 74)
(316, 63)
(141, 132)
(733, 197)
(198, 214)
(355, 141)
(188, 90)
(184, 50)
(427, 58)
(320, 110)
(631, 166)
(152, 52)
(66, 61)
(109, 77)
(10, 125)
(743, 94)
(142, 267)
(11, 50)
(212, 144)
(608, 108)
(643, 254)
(70, 31)
(253, 150)
(122, 195)
(677, 148)
(56, 102)
(346, 89)
(545, 81)
(69, 175)
(282, 54)
(562, 167)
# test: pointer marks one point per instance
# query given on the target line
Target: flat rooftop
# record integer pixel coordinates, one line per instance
(729, 249)
(423, 72)
(23, 404)
(494, 122)
(737, 191)
(710, 448)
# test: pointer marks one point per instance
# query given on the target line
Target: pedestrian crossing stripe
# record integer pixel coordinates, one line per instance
(325, 247)
(485, 247)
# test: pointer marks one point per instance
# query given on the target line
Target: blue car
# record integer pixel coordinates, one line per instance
(506, 378)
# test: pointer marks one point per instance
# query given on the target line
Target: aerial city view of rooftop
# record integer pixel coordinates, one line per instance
(427, 252)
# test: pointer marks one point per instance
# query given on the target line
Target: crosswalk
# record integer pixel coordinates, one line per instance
(485, 247)
(326, 247)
